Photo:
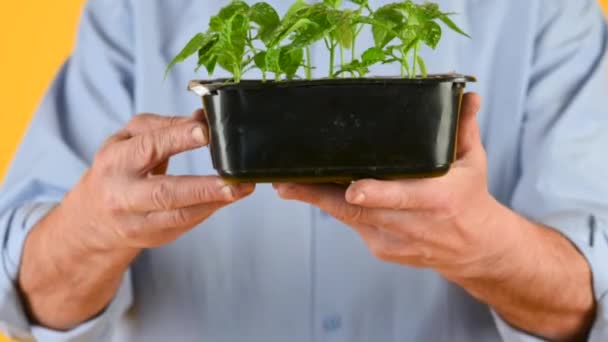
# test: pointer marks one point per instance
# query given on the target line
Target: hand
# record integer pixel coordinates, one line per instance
(79, 252)
(443, 223)
(125, 200)
(454, 226)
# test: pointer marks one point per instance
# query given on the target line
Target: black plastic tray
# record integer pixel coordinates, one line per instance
(332, 130)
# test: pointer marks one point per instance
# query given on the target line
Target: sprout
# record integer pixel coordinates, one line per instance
(242, 37)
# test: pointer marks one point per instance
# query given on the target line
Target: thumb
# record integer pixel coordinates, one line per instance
(469, 138)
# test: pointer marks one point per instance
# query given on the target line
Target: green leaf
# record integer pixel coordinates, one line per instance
(422, 66)
(238, 34)
(210, 65)
(354, 67)
(386, 18)
(285, 30)
(228, 61)
(390, 50)
(427, 11)
(219, 21)
(333, 3)
(207, 57)
(319, 26)
(449, 23)
(230, 47)
(372, 56)
(381, 35)
(290, 61)
(345, 24)
(359, 2)
(307, 36)
(232, 9)
(197, 42)
(297, 6)
(216, 24)
(408, 46)
(431, 34)
(272, 60)
(260, 60)
(267, 19)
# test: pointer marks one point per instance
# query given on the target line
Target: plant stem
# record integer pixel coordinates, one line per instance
(332, 57)
(402, 61)
(405, 69)
(308, 64)
(415, 60)
(342, 55)
(277, 77)
(236, 73)
(354, 43)
(353, 47)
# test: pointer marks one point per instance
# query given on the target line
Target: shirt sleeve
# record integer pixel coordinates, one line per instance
(564, 166)
(91, 98)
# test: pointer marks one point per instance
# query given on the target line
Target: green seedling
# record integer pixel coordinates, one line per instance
(242, 37)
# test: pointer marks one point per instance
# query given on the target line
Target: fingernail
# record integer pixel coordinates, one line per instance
(228, 192)
(358, 198)
(284, 189)
(247, 187)
(198, 114)
(199, 135)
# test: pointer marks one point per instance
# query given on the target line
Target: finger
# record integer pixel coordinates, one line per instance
(146, 122)
(117, 137)
(178, 221)
(106, 152)
(329, 198)
(161, 169)
(155, 229)
(173, 192)
(199, 115)
(468, 132)
(143, 123)
(146, 151)
(408, 194)
(383, 243)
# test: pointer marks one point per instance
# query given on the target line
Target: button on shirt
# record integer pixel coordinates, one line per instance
(271, 270)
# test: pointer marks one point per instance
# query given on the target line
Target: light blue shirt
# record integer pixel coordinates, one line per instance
(271, 270)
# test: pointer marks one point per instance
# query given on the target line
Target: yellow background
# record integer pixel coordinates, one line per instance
(36, 37)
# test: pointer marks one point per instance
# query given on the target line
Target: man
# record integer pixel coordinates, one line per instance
(510, 245)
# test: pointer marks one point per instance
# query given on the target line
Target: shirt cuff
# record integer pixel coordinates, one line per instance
(589, 234)
(15, 225)
(18, 226)
(13, 320)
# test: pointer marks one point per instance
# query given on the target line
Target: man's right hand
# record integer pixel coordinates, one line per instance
(127, 202)
(74, 258)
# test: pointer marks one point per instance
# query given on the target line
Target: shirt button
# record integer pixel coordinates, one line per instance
(332, 323)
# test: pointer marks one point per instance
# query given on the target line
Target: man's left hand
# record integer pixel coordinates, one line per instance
(444, 223)
(453, 225)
